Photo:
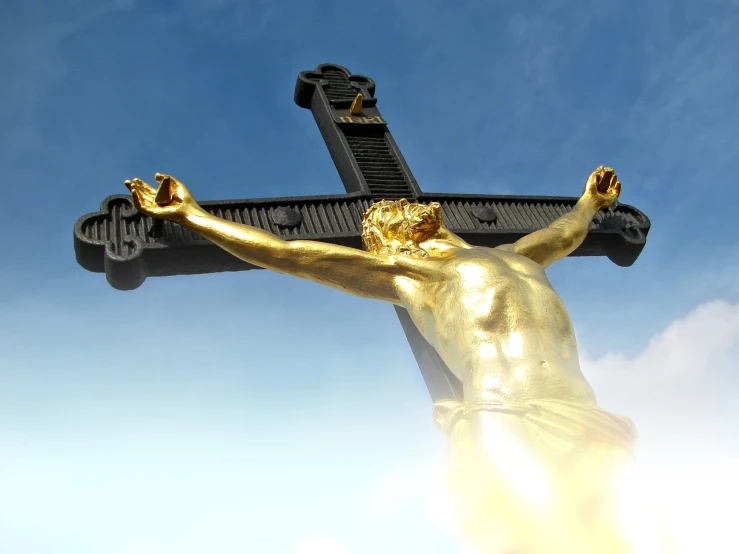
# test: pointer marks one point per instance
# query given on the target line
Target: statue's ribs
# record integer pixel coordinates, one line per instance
(119, 241)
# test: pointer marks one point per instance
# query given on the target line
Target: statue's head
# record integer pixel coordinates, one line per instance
(398, 227)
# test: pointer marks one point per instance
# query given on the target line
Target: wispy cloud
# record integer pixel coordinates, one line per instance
(682, 393)
(685, 380)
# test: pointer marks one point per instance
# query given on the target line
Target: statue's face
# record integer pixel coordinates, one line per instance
(423, 221)
(396, 225)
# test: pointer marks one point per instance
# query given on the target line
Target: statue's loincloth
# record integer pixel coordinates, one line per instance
(539, 478)
(559, 424)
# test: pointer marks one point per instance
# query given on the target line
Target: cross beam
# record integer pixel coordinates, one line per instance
(129, 247)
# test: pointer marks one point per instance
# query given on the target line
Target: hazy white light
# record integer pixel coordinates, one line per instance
(521, 468)
(320, 545)
(514, 347)
(488, 350)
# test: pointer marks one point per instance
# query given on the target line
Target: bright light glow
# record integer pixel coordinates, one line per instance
(681, 392)
(635, 511)
(478, 296)
(519, 465)
(472, 275)
(514, 347)
(698, 504)
(491, 382)
(488, 350)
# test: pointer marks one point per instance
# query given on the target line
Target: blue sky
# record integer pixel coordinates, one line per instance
(284, 418)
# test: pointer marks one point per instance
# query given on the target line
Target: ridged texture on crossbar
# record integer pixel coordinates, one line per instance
(378, 163)
(118, 220)
(524, 215)
(117, 239)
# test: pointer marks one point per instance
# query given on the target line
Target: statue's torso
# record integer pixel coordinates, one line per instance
(500, 327)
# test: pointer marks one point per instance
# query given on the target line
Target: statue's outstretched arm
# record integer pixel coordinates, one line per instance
(348, 269)
(565, 234)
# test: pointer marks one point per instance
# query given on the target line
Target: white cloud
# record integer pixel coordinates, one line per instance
(682, 389)
(683, 394)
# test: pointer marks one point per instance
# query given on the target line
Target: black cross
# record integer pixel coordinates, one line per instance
(129, 247)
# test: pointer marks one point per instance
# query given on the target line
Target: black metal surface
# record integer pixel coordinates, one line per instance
(117, 240)
(129, 247)
(365, 154)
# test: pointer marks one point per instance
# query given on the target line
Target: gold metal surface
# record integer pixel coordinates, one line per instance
(164, 192)
(356, 107)
(533, 458)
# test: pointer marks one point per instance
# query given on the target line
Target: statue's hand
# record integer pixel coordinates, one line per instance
(603, 187)
(170, 201)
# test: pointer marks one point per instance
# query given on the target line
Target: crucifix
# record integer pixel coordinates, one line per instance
(532, 456)
(129, 246)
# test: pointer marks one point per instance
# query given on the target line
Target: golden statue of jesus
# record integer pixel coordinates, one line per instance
(534, 460)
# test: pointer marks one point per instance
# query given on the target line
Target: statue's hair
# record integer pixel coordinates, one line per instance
(379, 237)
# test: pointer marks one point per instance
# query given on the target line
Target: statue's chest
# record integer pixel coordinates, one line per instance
(425, 302)
(471, 288)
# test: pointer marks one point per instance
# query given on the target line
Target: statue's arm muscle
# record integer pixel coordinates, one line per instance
(562, 237)
(348, 269)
